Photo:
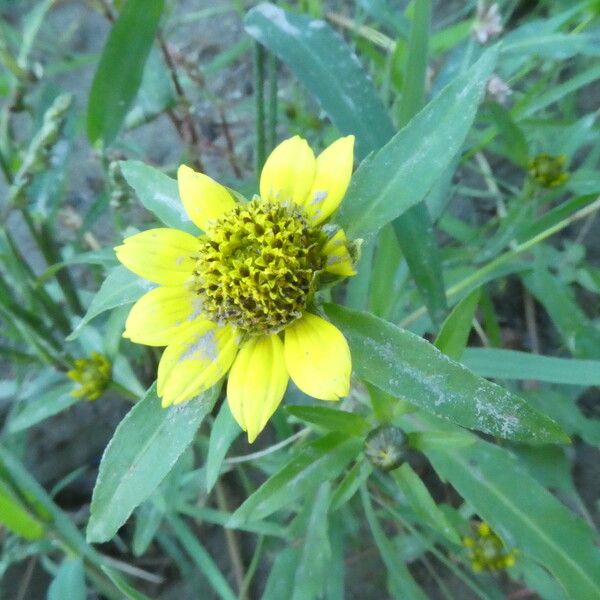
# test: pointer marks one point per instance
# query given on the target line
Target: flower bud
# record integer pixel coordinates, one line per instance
(385, 447)
(548, 171)
(487, 551)
(93, 375)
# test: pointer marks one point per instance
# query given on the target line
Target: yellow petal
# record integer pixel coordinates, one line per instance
(289, 172)
(339, 261)
(317, 358)
(334, 169)
(195, 360)
(256, 383)
(158, 316)
(204, 199)
(161, 255)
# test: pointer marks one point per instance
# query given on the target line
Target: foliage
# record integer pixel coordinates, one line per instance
(472, 320)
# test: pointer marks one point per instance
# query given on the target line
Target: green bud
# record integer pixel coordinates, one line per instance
(548, 171)
(93, 375)
(386, 447)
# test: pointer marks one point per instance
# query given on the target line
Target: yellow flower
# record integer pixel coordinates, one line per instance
(547, 170)
(486, 550)
(237, 298)
(93, 375)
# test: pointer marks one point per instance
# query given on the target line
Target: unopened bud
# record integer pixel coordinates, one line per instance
(386, 447)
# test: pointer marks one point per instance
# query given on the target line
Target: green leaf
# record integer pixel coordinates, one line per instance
(104, 257)
(120, 288)
(128, 591)
(312, 569)
(323, 459)
(524, 514)
(158, 193)
(332, 419)
(201, 558)
(16, 517)
(320, 58)
(439, 440)
(410, 368)
(415, 70)
(69, 581)
(145, 446)
(148, 518)
(42, 406)
(512, 139)
(281, 577)
(402, 583)
(224, 432)
(554, 45)
(422, 503)
(454, 334)
(579, 333)
(350, 484)
(223, 519)
(401, 174)
(416, 238)
(119, 74)
(511, 364)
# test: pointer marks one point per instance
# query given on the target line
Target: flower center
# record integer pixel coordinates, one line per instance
(256, 266)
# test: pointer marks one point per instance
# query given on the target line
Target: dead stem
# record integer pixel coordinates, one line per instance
(231, 539)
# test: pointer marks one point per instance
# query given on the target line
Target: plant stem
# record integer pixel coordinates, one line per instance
(231, 539)
(475, 277)
(259, 95)
(272, 101)
(249, 457)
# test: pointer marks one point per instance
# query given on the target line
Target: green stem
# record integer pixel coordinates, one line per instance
(431, 547)
(41, 295)
(259, 95)
(478, 275)
(45, 244)
(253, 566)
(415, 71)
(272, 101)
(200, 557)
(121, 389)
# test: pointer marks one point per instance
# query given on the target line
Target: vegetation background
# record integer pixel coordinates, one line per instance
(504, 259)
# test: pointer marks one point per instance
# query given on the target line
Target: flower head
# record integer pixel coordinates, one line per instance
(488, 22)
(486, 550)
(93, 375)
(237, 299)
(547, 170)
(498, 89)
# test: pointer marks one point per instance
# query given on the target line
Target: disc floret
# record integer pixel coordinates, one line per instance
(256, 266)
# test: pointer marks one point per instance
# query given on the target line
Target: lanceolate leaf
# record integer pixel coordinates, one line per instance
(16, 517)
(332, 419)
(316, 554)
(454, 333)
(145, 446)
(323, 459)
(523, 513)
(69, 581)
(511, 364)
(400, 174)
(320, 58)
(401, 581)
(158, 193)
(120, 288)
(223, 434)
(42, 406)
(121, 67)
(408, 367)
